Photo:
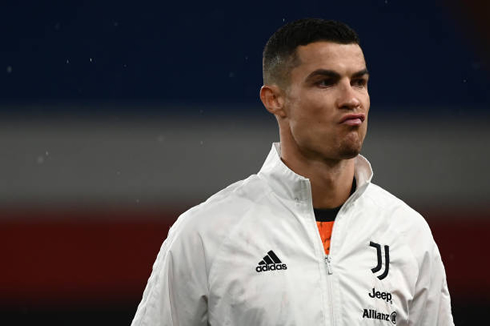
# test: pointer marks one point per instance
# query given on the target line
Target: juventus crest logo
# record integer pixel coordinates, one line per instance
(380, 260)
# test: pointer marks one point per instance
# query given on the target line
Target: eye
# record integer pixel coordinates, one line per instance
(326, 82)
(361, 82)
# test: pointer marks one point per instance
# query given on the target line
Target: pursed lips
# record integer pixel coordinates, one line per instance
(353, 119)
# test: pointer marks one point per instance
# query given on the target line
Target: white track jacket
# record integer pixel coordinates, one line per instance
(252, 255)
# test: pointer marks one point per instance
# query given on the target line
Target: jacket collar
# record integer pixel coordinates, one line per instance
(286, 183)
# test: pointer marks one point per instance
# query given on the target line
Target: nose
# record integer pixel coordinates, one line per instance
(348, 98)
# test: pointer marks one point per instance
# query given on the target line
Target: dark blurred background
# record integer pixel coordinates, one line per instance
(115, 117)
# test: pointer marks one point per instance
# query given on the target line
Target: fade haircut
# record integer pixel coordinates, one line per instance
(280, 56)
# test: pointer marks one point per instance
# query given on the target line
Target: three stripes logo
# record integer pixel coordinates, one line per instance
(270, 262)
(380, 260)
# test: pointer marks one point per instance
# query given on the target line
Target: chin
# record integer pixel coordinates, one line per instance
(351, 146)
(346, 155)
(348, 151)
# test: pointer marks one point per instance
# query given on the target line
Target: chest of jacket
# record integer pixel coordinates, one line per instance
(272, 269)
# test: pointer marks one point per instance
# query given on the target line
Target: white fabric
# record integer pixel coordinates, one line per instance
(205, 273)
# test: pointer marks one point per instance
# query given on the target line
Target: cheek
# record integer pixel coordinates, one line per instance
(312, 125)
(311, 110)
(309, 115)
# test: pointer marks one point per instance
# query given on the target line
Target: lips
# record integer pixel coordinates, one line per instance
(353, 119)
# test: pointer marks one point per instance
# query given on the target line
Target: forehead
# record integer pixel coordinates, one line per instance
(342, 58)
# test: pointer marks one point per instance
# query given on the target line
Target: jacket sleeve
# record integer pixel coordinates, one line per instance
(431, 305)
(176, 293)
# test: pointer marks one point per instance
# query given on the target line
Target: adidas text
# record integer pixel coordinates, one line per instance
(270, 262)
(272, 267)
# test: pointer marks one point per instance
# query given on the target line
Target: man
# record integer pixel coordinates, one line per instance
(309, 240)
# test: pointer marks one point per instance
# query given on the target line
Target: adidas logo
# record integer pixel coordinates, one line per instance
(270, 263)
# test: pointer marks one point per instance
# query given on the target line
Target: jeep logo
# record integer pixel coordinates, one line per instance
(386, 296)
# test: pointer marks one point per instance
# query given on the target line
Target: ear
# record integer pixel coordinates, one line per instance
(273, 99)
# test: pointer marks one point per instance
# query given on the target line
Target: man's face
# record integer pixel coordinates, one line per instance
(327, 101)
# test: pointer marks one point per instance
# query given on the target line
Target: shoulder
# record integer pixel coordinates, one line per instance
(228, 203)
(212, 220)
(397, 208)
(402, 219)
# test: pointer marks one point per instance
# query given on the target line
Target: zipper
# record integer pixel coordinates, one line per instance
(328, 262)
(328, 258)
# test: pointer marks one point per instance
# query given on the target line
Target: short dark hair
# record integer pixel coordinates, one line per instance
(279, 55)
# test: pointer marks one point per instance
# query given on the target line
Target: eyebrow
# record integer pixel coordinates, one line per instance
(334, 74)
(360, 73)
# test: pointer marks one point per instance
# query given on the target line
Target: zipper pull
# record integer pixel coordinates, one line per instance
(328, 261)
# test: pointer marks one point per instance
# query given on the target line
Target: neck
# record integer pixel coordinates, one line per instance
(331, 180)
